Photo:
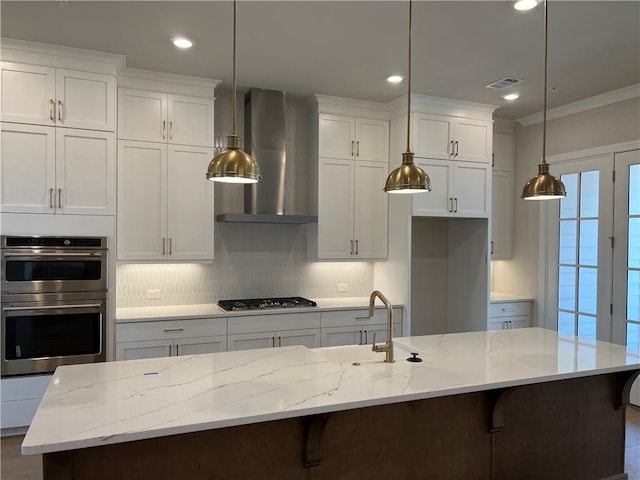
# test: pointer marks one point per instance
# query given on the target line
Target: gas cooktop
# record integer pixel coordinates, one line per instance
(265, 303)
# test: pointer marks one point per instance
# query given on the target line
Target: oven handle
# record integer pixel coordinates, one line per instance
(52, 307)
(47, 254)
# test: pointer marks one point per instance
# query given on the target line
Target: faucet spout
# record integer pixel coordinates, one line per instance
(388, 346)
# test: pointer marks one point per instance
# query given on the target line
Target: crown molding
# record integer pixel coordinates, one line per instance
(590, 103)
(167, 82)
(348, 106)
(442, 106)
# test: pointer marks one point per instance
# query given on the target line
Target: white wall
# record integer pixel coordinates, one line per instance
(607, 125)
(251, 260)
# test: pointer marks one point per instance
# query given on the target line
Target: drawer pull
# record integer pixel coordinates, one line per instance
(173, 330)
(508, 309)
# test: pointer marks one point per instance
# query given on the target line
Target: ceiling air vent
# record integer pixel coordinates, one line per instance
(504, 83)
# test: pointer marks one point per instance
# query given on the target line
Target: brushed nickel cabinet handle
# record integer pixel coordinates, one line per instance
(360, 340)
(279, 341)
(357, 248)
(351, 247)
(51, 107)
(358, 148)
(491, 247)
(451, 204)
(51, 198)
(177, 350)
(273, 342)
(457, 148)
(164, 251)
(366, 337)
(173, 330)
(456, 209)
(451, 145)
(171, 129)
(59, 198)
(60, 110)
(352, 142)
(164, 129)
(170, 246)
(169, 350)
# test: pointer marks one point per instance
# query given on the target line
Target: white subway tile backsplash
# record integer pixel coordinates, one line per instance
(251, 260)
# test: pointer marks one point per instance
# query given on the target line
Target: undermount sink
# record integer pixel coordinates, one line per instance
(361, 354)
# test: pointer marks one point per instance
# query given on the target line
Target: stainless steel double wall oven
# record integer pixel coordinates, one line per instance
(54, 302)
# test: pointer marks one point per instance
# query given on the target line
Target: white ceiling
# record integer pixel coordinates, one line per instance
(347, 48)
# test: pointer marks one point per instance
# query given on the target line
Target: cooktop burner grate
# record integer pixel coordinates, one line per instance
(266, 303)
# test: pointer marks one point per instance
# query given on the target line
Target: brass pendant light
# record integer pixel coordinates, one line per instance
(544, 186)
(408, 177)
(233, 165)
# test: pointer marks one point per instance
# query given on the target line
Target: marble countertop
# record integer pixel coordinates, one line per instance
(105, 403)
(495, 297)
(174, 312)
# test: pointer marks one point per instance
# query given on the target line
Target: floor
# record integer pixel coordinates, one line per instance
(16, 467)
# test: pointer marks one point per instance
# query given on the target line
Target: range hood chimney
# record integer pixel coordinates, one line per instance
(264, 131)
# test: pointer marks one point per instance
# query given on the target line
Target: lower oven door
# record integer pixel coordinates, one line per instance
(40, 334)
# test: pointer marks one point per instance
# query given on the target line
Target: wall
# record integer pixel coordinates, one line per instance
(251, 260)
(607, 125)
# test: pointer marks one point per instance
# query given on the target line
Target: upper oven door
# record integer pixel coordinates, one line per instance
(38, 271)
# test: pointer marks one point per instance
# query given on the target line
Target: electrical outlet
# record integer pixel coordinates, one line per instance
(153, 294)
(343, 287)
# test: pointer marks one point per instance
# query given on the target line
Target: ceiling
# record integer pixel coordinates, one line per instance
(348, 48)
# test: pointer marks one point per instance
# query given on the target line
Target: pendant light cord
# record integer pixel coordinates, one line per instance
(233, 92)
(409, 85)
(544, 112)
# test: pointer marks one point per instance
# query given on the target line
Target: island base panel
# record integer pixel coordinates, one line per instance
(555, 430)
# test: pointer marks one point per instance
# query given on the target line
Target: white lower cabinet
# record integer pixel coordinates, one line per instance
(355, 327)
(20, 397)
(278, 330)
(509, 314)
(150, 339)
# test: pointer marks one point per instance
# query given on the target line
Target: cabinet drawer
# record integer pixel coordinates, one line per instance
(18, 413)
(170, 329)
(509, 309)
(359, 318)
(271, 323)
(23, 388)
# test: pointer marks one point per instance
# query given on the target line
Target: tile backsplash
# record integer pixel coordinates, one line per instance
(251, 260)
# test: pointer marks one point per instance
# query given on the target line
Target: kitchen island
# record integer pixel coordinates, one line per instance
(527, 403)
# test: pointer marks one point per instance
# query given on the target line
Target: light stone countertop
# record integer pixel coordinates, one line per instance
(211, 310)
(497, 297)
(106, 403)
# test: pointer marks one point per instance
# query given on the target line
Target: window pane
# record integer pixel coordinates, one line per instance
(633, 295)
(634, 190)
(589, 193)
(566, 323)
(634, 243)
(633, 335)
(587, 290)
(587, 327)
(567, 288)
(589, 242)
(569, 204)
(568, 239)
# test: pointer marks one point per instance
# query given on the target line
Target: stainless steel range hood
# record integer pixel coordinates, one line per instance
(264, 131)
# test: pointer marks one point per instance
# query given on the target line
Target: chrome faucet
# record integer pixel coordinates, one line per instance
(387, 347)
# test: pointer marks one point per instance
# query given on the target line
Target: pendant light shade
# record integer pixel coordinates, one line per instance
(544, 186)
(233, 165)
(408, 177)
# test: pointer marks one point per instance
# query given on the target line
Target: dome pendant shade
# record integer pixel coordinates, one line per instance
(544, 186)
(233, 165)
(407, 178)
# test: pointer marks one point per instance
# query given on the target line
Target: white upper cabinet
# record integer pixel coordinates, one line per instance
(453, 138)
(350, 156)
(58, 97)
(458, 189)
(502, 197)
(57, 171)
(356, 138)
(165, 203)
(166, 118)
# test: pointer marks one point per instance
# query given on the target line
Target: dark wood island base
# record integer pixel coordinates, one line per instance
(565, 429)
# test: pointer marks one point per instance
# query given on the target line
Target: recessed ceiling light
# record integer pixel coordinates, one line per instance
(511, 96)
(523, 5)
(395, 78)
(182, 42)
